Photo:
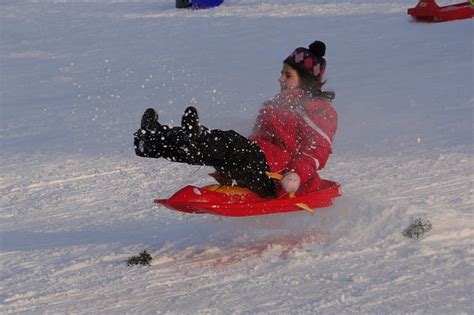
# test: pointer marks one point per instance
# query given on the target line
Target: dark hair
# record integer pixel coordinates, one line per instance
(312, 86)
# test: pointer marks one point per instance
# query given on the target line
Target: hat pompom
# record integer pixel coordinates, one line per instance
(318, 48)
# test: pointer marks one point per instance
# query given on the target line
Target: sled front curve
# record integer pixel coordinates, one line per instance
(237, 201)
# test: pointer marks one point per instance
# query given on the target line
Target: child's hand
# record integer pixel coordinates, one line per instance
(290, 182)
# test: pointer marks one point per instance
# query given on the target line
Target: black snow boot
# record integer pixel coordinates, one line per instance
(190, 124)
(148, 134)
(154, 140)
(150, 120)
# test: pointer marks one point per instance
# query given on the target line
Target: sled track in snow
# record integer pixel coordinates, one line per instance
(73, 179)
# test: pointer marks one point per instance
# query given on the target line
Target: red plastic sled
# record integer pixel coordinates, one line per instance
(237, 201)
(428, 10)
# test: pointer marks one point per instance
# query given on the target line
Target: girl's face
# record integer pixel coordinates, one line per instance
(289, 78)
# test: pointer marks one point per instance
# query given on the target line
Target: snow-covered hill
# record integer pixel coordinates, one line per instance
(75, 202)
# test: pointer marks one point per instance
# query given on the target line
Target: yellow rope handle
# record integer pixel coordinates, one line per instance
(305, 207)
(276, 176)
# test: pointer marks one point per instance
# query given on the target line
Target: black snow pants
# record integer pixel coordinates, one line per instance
(233, 156)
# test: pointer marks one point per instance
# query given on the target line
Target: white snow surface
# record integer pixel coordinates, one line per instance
(75, 202)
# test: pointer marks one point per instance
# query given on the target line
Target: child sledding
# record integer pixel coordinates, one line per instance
(290, 143)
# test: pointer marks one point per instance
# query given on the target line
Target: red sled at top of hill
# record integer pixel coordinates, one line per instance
(237, 201)
(429, 11)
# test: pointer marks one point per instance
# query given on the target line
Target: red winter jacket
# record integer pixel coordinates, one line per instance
(295, 133)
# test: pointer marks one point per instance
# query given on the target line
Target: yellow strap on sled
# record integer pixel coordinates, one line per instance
(305, 207)
(276, 176)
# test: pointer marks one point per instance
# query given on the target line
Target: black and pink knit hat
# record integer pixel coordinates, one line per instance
(310, 61)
